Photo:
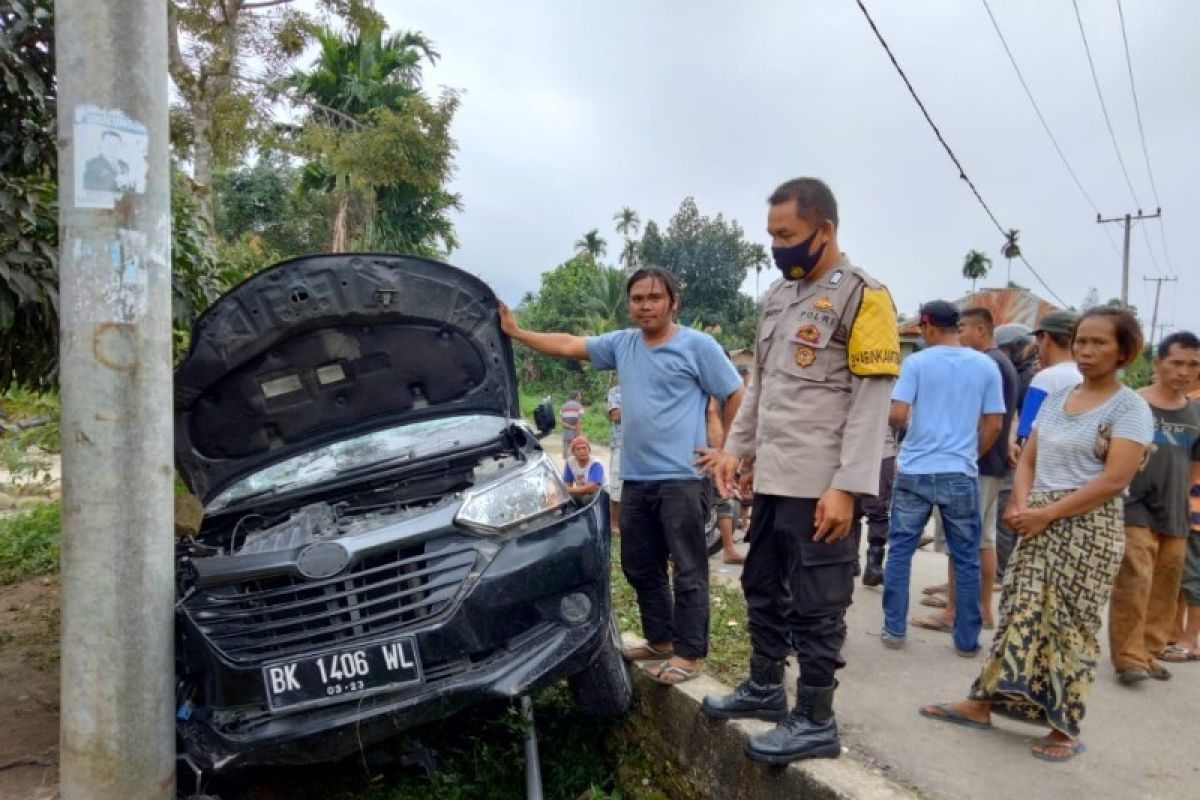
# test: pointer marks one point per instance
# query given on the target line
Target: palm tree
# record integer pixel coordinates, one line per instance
(975, 266)
(592, 245)
(628, 222)
(604, 304)
(1011, 250)
(757, 255)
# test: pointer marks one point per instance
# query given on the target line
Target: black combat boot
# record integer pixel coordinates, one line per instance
(760, 696)
(873, 574)
(810, 731)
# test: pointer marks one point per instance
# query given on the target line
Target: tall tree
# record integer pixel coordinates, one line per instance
(592, 245)
(628, 224)
(1091, 299)
(710, 257)
(605, 307)
(226, 58)
(759, 259)
(387, 154)
(1010, 250)
(975, 266)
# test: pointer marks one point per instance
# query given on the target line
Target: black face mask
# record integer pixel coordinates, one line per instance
(795, 262)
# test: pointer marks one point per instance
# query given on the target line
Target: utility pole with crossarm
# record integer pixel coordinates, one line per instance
(1128, 219)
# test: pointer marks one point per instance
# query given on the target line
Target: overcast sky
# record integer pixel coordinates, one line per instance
(574, 109)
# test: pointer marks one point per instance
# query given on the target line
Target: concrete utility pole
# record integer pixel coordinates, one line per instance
(117, 737)
(1128, 219)
(1157, 293)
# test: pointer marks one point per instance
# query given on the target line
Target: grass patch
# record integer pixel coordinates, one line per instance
(29, 543)
(729, 640)
(480, 756)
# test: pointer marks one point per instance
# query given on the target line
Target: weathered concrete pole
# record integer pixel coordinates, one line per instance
(117, 737)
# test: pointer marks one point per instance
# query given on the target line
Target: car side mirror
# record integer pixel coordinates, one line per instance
(543, 417)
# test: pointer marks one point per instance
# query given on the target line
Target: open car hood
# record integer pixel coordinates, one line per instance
(320, 348)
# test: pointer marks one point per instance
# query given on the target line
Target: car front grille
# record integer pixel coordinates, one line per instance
(262, 620)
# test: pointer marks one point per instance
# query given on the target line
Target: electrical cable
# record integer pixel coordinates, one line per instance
(1137, 107)
(962, 173)
(1045, 125)
(1103, 107)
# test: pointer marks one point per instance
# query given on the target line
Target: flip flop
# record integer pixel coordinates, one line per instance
(953, 717)
(1177, 654)
(933, 601)
(644, 652)
(1074, 748)
(665, 668)
(933, 624)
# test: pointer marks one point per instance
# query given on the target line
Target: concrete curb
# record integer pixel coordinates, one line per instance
(705, 759)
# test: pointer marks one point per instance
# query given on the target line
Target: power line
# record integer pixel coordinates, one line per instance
(1041, 118)
(1104, 108)
(1137, 107)
(962, 173)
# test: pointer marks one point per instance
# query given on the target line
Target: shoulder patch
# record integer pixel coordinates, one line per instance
(874, 347)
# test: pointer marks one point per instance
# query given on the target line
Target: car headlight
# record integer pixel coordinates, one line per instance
(533, 491)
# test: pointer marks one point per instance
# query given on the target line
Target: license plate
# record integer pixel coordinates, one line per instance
(351, 672)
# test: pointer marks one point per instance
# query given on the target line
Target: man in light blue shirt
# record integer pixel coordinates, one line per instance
(667, 372)
(952, 400)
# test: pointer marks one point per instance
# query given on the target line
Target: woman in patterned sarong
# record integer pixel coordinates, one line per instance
(1087, 445)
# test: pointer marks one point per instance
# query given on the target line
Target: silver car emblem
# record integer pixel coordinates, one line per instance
(322, 560)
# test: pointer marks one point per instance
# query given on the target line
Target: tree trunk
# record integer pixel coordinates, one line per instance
(202, 172)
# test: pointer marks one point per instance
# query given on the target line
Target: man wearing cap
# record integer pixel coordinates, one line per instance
(952, 399)
(1053, 334)
(809, 438)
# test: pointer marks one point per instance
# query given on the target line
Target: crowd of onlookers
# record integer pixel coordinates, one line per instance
(1043, 473)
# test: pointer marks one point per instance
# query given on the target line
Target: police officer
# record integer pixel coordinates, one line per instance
(809, 438)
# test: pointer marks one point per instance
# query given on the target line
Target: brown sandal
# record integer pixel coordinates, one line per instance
(644, 652)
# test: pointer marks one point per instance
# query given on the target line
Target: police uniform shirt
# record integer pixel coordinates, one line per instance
(815, 415)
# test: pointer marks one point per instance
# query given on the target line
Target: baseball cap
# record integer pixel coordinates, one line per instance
(939, 314)
(1060, 322)
(1011, 333)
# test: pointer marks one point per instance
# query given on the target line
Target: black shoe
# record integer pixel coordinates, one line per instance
(761, 696)
(810, 731)
(873, 574)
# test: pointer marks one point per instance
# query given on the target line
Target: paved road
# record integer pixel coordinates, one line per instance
(1143, 743)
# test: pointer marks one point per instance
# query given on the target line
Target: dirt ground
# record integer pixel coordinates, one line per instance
(29, 689)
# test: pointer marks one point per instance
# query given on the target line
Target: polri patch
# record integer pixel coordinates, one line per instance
(809, 333)
(805, 356)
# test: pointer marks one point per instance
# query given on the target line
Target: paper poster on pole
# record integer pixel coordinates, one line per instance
(110, 156)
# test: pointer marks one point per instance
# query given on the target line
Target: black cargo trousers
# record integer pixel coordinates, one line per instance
(797, 590)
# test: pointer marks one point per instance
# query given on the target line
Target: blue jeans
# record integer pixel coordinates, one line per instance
(956, 495)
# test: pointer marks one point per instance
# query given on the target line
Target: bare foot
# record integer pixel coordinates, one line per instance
(733, 557)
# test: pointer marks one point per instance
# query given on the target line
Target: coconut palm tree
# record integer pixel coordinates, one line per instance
(758, 259)
(628, 222)
(592, 245)
(1011, 250)
(604, 305)
(975, 266)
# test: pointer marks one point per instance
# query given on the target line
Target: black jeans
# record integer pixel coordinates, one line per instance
(797, 590)
(661, 520)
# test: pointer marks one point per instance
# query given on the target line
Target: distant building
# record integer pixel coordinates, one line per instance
(1006, 305)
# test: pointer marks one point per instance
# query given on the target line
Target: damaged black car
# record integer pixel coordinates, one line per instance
(384, 542)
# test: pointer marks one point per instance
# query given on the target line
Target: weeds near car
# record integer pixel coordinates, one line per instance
(29, 543)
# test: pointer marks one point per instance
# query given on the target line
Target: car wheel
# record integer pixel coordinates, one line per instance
(603, 688)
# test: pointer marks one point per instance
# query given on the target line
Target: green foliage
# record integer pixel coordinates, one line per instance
(28, 195)
(975, 266)
(592, 245)
(264, 205)
(710, 257)
(377, 146)
(1139, 373)
(31, 417)
(29, 543)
